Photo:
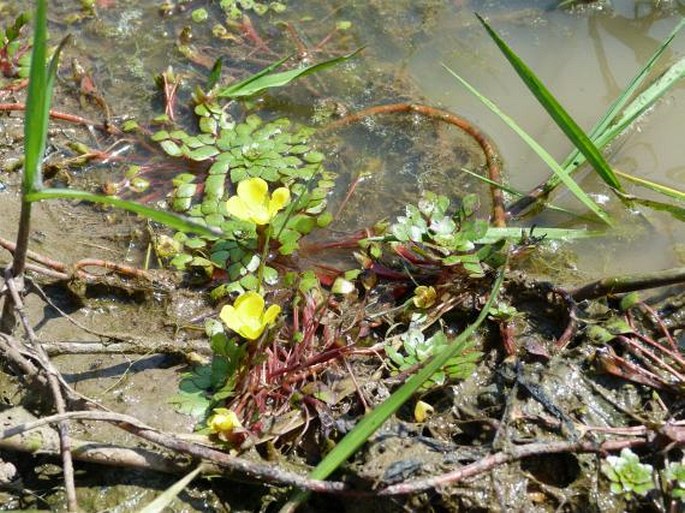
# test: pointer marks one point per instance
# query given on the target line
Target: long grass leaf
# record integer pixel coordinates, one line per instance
(373, 420)
(37, 104)
(519, 194)
(645, 100)
(675, 211)
(563, 120)
(599, 134)
(263, 81)
(244, 84)
(656, 187)
(539, 150)
(162, 501)
(167, 218)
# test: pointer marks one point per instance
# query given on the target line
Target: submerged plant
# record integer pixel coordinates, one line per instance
(15, 54)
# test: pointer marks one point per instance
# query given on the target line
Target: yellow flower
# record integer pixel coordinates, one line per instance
(422, 411)
(223, 423)
(252, 203)
(247, 316)
(424, 297)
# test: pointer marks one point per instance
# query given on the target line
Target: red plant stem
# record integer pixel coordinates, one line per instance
(643, 351)
(54, 114)
(498, 213)
(673, 353)
(657, 319)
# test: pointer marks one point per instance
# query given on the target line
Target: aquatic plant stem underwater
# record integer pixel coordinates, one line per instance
(491, 158)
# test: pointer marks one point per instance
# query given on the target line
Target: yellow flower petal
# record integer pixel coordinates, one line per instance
(271, 314)
(237, 208)
(251, 331)
(250, 304)
(422, 411)
(253, 191)
(279, 199)
(247, 316)
(230, 317)
(259, 214)
(223, 421)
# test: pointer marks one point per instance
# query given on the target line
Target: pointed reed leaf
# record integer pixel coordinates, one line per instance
(37, 104)
(539, 150)
(563, 120)
(265, 79)
(373, 420)
(654, 186)
(162, 501)
(169, 219)
(599, 134)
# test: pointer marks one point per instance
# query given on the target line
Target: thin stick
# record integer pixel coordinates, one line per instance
(629, 283)
(60, 405)
(265, 472)
(510, 454)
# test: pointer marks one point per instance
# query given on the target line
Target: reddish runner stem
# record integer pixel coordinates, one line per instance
(498, 213)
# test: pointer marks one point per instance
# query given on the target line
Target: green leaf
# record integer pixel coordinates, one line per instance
(575, 134)
(167, 497)
(544, 155)
(265, 79)
(374, 419)
(171, 148)
(41, 81)
(174, 221)
(203, 153)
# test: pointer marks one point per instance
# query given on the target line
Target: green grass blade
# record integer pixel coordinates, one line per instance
(656, 187)
(245, 84)
(599, 134)
(575, 134)
(160, 503)
(520, 194)
(539, 150)
(644, 101)
(169, 219)
(373, 420)
(675, 211)
(37, 104)
(265, 79)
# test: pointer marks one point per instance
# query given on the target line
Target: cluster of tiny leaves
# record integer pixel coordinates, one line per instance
(675, 476)
(273, 151)
(235, 9)
(15, 55)
(451, 239)
(416, 349)
(627, 475)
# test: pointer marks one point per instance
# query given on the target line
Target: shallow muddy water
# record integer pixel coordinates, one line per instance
(584, 56)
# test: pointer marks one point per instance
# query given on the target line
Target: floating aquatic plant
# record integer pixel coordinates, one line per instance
(417, 349)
